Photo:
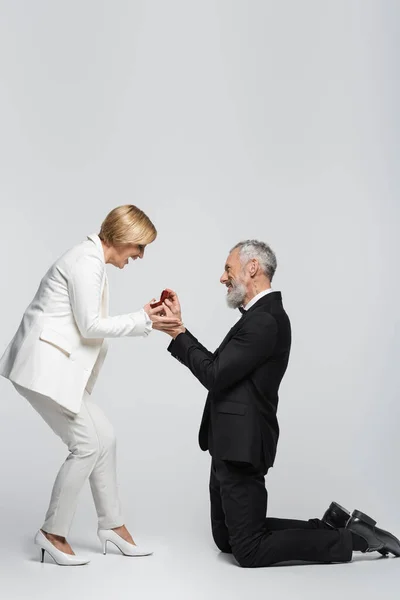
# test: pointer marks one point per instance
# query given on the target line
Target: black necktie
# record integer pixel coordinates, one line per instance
(242, 310)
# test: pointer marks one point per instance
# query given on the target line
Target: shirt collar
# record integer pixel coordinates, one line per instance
(256, 298)
(97, 241)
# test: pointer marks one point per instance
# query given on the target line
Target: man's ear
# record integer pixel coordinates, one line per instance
(253, 267)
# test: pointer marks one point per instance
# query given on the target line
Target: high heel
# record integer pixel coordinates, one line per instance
(108, 535)
(60, 558)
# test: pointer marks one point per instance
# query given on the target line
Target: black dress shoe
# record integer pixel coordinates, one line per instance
(377, 539)
(336, 516)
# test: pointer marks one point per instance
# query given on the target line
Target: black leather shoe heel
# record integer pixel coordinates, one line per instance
(336, 516)
(357, 514)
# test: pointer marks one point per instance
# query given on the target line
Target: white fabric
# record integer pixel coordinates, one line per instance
(59, 347)
(257, 297)
(91, 442)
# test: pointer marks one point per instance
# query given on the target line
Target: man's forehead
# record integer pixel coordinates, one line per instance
(232, 258)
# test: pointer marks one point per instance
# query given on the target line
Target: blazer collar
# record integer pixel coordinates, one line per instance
(97, 241)
(274, 296)
(264, 301)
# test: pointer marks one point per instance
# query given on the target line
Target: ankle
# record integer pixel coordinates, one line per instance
(359, 543)
(54, 536)
(119, 529)
(123, 532)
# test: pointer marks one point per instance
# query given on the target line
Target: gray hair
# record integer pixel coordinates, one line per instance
(262, 252)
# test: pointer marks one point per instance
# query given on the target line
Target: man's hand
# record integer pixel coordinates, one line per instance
(162, 321)
(172, 307)
(173, 303)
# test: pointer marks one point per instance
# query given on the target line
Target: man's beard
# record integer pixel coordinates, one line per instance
(235, 297)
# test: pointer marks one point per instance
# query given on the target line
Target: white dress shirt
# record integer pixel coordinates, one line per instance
(256, 298)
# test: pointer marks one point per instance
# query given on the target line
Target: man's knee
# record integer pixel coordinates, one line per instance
(222, 545)
(246, 555)
(221, 537)
(224, 548)
(244, 560)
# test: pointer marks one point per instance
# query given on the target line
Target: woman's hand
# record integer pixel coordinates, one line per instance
(161, 321)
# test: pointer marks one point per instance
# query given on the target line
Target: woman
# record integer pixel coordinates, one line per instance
(54, 359)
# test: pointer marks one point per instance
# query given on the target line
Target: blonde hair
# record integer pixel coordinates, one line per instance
(127, 224)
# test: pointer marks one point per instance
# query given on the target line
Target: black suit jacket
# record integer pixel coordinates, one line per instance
(242, 378)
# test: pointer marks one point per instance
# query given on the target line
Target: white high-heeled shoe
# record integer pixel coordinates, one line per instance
(61, 558)
(108, 535)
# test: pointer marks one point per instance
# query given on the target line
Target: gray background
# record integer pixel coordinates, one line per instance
(222, 120)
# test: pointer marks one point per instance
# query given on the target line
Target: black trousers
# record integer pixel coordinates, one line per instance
(239, 523)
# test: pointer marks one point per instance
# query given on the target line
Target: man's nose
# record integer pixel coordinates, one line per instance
(223, 278)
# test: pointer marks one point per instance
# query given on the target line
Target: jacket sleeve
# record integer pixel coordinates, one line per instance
(207, 352)
(85, 289)
(249, 347)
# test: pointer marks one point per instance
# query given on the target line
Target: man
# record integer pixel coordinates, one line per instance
(240, 428)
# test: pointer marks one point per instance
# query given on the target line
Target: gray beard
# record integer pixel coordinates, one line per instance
(236, 296)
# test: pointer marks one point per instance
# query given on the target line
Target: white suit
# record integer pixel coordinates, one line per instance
(59, 347)
(53, 361)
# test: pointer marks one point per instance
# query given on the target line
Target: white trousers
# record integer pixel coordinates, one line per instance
(90, 439)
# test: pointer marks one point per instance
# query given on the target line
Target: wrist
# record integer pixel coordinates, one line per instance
(176, 332)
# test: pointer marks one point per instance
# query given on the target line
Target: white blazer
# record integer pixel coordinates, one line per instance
(59, 347)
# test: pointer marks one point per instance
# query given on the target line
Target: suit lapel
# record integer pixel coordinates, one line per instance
(230, 333)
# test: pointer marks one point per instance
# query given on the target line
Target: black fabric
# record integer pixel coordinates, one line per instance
(242, 377)
(358, 542)
(240, 429)
(239, 524)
